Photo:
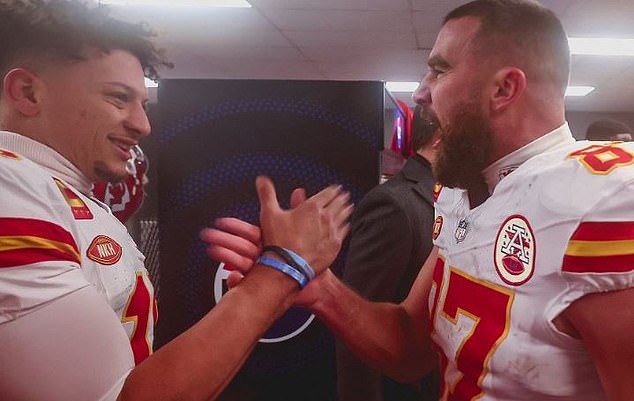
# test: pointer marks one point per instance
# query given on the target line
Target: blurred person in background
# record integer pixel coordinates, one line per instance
(390, 238)
(608, 130)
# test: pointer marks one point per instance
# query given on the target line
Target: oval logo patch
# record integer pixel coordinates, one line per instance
(515, 251)
(104, 250)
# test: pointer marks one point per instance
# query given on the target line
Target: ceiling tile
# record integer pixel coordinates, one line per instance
(340, 20)
(395, 5)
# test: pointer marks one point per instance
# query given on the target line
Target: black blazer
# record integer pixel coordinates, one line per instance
(390, 239)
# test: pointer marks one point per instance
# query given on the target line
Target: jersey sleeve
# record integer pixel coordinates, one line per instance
(72, 348)
(599, 256)
(39, 256)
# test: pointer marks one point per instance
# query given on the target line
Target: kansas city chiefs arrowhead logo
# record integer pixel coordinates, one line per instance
(515, 251)
(104, 250)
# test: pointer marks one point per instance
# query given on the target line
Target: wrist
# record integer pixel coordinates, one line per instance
(293, 260)
(285, 268)
(268, 279)
(327, 293)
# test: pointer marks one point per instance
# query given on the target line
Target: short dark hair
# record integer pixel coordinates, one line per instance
(422, 129)
(606, 129)
(522, 32)
(34, 30)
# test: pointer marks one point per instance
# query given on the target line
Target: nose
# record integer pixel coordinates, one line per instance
(422, 95)
(138, 121)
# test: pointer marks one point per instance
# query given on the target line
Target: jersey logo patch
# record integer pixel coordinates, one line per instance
(462, 230)
(77, 206)
(514, 251)
(437, 227)
(104, 250)
(502, 173)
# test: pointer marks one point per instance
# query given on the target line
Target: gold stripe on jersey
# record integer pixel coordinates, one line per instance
(600, 248)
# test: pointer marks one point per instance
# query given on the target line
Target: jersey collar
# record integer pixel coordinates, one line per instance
(509, 163)
(46, 157)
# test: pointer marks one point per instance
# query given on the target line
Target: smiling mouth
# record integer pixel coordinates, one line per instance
(124, 147)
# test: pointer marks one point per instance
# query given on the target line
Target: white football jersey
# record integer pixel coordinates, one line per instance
(55, 240)
(553, 230)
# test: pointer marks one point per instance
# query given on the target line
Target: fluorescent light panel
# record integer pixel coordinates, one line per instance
(578, 90)
(410, 86)
(601, 46)
(208, 3)
(399, 86)
(150, 84)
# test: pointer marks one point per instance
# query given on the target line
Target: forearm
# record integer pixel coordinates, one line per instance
(384, 335)
(199, 363)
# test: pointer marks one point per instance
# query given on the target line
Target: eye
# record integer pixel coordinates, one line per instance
(120, 98)
(435, 71)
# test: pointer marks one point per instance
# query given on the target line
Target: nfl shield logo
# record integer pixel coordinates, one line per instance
(461, 231)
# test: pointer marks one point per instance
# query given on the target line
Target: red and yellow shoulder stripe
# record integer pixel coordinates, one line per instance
(601, 247)
(24, 241)
(77, 206)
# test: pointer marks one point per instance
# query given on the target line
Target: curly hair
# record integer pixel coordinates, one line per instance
(33, 31)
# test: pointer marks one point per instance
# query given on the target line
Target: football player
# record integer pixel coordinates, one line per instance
(77, 309)
(528, 294)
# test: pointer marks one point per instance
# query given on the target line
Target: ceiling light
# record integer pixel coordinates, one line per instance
(150, 83)
(398, 86)
(401, 86)
(208, 3)
(578, 90)
(601, 46)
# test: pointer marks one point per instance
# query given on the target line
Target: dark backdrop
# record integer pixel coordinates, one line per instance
(213, 138)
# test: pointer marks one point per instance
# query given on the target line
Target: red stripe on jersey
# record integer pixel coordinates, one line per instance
(598, 264)
(37, 228)
(21, 257)
(24, 241)
(604, 231)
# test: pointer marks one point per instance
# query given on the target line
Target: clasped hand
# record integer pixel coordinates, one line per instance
(314, 228)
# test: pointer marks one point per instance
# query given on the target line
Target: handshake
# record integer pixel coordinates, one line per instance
(301, 242)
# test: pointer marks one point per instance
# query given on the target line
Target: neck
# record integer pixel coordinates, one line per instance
(478, 194)
(427, 153)
(534, 116)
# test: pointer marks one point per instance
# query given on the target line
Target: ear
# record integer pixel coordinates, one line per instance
(510, 83)
(19, 89)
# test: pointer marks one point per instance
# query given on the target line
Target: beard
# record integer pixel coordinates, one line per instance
(465, 149)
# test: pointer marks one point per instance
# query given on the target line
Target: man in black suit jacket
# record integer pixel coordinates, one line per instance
(390, 238)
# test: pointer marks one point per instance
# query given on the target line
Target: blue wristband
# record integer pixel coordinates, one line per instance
(284, 268)
(302, 264)
(292, 259)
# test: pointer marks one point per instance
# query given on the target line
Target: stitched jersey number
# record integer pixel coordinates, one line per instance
(489, 307)
(601, 159)
(141, 308)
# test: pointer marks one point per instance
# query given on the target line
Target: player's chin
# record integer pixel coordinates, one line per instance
(110, 171)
